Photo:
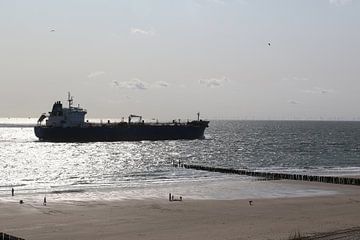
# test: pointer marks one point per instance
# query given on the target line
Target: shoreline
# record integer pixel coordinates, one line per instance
(230, 187)
(266, 218)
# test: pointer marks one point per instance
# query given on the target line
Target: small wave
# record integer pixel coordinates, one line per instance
(207, 137)
(162, 177)
(68, 191)
(82, 182)
(73, 177)
(16, 125)
(27, 179)
(12, 185)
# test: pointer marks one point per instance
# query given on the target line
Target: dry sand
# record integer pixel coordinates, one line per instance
(275, 218)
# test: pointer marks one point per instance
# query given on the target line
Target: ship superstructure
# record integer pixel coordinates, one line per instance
(65, 117)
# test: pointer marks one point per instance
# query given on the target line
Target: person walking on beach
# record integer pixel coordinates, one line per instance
(44, 201)
(12, 191)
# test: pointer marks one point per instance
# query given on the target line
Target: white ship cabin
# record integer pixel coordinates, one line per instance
(66, 117)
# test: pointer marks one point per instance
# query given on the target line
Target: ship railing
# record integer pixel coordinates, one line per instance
(113, 124)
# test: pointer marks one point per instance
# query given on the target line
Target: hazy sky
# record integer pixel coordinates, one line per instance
(170, 59)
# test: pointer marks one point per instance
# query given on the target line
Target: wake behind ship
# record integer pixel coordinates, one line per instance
(68, 125)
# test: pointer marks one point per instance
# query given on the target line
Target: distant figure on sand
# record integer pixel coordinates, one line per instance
(250, 203)
(12, 191)
(44, 201)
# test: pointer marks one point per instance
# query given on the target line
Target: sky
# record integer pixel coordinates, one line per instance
(167, 59)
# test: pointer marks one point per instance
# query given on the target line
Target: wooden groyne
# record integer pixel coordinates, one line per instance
(276, 176)
(4, 236)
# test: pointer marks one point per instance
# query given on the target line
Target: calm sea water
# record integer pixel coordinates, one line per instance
(109, 170)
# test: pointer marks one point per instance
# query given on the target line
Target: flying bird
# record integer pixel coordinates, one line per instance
(269, 43)
(116, 83)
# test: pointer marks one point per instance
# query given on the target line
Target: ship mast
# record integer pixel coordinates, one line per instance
(70, 100)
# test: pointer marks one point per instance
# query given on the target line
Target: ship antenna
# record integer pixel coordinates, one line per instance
(198, 116)
(70, 100)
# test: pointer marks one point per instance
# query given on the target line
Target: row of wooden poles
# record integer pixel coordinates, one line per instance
(4, 236)
(276, 176)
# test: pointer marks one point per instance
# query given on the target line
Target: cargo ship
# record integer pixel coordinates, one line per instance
(68, 125)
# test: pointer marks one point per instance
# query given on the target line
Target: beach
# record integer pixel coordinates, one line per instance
(266, 218)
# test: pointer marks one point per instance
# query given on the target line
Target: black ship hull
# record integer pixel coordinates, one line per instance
(126, 132)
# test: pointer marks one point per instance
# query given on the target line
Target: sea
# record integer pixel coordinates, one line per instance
(144, 169)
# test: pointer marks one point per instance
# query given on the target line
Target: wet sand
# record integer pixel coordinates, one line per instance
(266, 218)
